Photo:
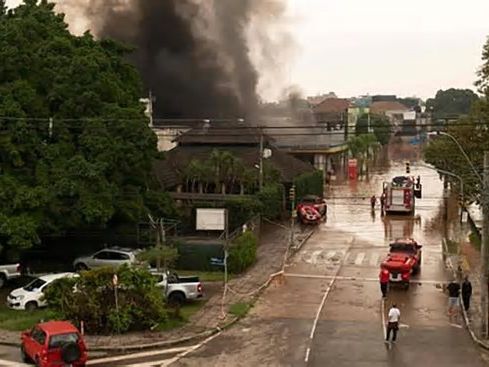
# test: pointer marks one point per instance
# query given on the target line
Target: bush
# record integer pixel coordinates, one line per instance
(271, 198)
(91, 299)
(309, 184)
(242, 252)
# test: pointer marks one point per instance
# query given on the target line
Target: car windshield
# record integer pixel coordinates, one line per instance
(401, 247)
(57, 341)
(34, 285)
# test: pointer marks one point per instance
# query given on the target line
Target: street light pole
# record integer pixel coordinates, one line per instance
(485, 246)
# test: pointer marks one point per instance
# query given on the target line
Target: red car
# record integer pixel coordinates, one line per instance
(311, 209)
(54, 344)
(403, 260)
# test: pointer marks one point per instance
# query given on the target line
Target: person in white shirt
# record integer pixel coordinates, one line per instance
(393, 323)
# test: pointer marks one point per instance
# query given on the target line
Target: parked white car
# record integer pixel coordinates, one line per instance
(112, 256)
(31, 296)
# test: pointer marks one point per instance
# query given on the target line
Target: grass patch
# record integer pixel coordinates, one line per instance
(14, 320)
(205, 276)
(186, 312)
(239, 309)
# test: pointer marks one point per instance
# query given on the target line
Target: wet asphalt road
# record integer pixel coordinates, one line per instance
(328, 312)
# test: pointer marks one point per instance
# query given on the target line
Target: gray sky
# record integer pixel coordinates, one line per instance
(407, 48)
(387, 46)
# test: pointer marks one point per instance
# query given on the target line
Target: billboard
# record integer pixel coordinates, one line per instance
(211, 219)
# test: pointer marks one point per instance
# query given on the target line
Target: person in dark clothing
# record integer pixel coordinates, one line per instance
(466, 293)
(382, 203)
(373, 201)
(384, 281)
(453, 304)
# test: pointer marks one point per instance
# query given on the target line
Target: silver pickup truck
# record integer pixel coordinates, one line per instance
(8, 272)
(178, 289)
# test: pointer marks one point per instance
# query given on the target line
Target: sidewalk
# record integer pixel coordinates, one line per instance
(469, 260)
(208, 319)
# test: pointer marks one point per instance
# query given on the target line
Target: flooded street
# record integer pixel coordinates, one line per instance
(329, 310)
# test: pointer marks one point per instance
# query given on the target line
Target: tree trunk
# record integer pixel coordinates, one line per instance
(241, 189)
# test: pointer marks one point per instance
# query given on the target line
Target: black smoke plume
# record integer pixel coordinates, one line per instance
(193, 55)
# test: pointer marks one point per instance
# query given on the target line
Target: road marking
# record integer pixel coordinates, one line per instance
(190, 350)
(5, 363)
(359, 258)
(136, 355)
(382, 311)
(373, 259)
(330, 254)
(362, 279)
(315, 255)
(318, 313)
(323, 301)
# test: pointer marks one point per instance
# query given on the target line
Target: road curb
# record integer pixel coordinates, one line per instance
(304, 240)
(474, 337)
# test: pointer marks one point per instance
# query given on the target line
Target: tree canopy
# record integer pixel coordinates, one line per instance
(75, 147)
(451, 102)
(472, 134)
(381, 127)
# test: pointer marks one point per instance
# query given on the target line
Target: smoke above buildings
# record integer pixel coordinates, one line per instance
(200, 58)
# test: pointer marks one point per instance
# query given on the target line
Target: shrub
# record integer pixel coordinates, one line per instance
(271, 198)
(91, 299)
(309, 184)
(242, 252)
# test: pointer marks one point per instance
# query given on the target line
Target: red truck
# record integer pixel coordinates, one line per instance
(400, 194)
(403, 260)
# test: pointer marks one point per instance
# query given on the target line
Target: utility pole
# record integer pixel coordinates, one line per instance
(485, 246)
(260, 182)
(292, 214)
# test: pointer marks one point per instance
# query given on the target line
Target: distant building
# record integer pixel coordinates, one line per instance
(315, 100)
(384, 98)
(392, 109)
(332, 112)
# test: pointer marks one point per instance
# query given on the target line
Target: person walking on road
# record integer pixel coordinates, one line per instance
(382, 203)
(466, 293)
(393, 323)
(384, 281)
(453, 304)
(373, 201)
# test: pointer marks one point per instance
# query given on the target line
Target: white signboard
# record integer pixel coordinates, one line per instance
(211, 220)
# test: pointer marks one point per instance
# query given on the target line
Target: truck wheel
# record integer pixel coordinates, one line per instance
(406, 286)
(25, 358)
(31, 306)
(3, 280)
(176, 298)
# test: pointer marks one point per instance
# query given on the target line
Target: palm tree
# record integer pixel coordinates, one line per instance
(360, 148)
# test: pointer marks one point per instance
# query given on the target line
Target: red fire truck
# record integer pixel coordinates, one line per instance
(400, 194)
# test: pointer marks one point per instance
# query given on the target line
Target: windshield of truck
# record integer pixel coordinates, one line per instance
(34, 285)
(400, 247)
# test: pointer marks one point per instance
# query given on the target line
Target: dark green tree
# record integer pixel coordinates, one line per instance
(451, 103)
(380, 126)
(75, 147)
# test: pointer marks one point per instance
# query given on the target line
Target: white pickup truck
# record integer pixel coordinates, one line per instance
(8, 272)
(178, 289)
